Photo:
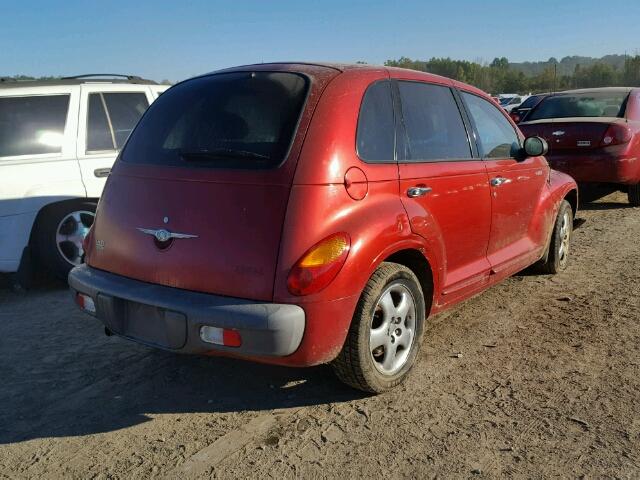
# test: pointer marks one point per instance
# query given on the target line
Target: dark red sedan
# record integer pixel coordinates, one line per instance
(301, 214)
(593, 135)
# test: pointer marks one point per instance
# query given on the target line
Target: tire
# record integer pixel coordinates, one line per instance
(633, 194)
(71, 220)
(374, 369)
(557, 257)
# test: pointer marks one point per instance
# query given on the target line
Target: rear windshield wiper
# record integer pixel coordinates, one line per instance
(212, 154)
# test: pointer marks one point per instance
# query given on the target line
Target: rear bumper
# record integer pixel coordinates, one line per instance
(171, 319)
(598, 167)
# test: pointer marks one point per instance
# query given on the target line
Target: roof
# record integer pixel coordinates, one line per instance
(596, 90)
(7, 82)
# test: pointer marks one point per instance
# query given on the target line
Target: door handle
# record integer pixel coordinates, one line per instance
(497, 181)
(102, 172)
(418, 191)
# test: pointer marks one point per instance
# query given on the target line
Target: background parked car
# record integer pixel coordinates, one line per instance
(300, 214)
(509, 103)
(593, 135)
(519, 113)
(58, 141)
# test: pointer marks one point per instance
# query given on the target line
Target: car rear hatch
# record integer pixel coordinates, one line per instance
(571, 134)
(198, 196)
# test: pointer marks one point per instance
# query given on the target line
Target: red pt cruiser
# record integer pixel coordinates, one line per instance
(593, 135)
(300, 214)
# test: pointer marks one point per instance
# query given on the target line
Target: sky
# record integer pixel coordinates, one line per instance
(179, 39)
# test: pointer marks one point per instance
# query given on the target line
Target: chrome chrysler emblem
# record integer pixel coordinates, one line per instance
(558, 133)
(163, 235)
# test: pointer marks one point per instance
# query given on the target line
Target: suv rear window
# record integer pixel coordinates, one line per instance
(592, 104)
(228, 120)
(32, 125)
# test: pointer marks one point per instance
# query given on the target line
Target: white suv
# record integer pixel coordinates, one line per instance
(58, 141)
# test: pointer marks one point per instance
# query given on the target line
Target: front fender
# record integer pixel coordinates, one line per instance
(559, 187)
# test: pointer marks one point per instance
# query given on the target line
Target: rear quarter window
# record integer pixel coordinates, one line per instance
(32, 125)
(243, 120)
(376, 130)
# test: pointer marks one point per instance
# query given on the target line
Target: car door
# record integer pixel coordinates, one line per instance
(108, 114)
(443, 187)
(516, 184)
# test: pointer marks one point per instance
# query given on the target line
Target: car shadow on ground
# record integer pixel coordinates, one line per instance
(604, 206)
(61, 376)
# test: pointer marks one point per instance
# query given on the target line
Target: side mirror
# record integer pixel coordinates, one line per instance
(535, 146)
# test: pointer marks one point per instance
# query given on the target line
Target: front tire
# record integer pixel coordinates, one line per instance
(386, 331)
(59, 235)
(633, 194)
(558, 254)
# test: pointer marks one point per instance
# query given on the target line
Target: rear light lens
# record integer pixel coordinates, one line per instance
(319, 265)
(86, 303)
(220, 336)
(515, 117)
(616, 135)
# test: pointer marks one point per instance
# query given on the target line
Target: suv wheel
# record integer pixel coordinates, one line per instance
(385, 333)
(634, 195)
(558, 255)
(60, 233)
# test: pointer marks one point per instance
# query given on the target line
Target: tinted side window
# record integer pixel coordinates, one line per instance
(433, 124)
(376, 130)
(111, 117)
(497, 139)
(32, 125)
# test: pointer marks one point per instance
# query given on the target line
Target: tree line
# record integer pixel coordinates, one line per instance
(501, 76)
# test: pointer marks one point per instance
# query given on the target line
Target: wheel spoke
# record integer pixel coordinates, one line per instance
(378, 337)
(389, 356)
(388, 308)
(404, 306)
(404, 340)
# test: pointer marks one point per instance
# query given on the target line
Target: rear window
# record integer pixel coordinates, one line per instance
(592, 104)
(229, 120)
(32, 125)
(530, 102)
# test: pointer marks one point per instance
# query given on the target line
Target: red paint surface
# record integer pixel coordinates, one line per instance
(253, 226)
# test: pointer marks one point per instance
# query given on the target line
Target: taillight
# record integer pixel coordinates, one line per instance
(515, 117)
(616, 134)
(319, 265)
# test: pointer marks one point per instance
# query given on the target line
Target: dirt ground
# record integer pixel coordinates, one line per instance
(547, 385)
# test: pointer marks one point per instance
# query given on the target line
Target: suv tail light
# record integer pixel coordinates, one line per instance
(616, 135)
(515, 117)
(319, 265)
